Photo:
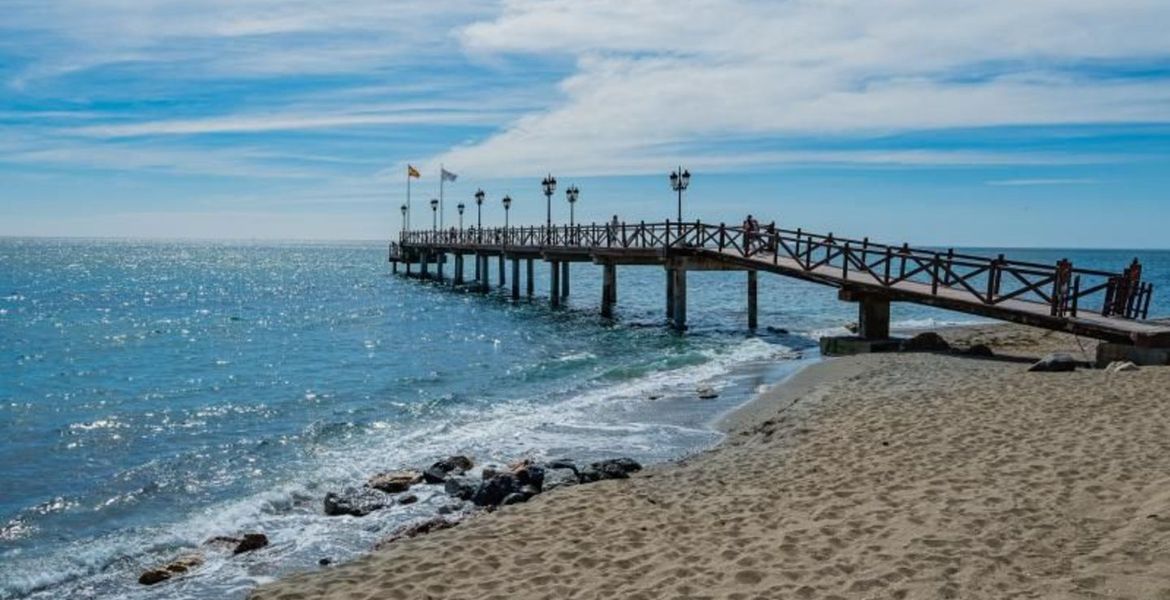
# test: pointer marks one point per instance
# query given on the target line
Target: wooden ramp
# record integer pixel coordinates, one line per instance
(1111, 306)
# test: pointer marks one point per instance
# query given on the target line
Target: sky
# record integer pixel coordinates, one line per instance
(967, 122)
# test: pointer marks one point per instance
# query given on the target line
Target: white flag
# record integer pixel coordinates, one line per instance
(447, 175)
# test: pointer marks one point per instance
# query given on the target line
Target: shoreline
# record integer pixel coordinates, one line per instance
(904, 476)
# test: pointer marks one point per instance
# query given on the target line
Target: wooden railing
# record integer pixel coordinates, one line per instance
(1062, 287)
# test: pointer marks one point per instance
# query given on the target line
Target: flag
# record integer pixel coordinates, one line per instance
(412, 172)
(447, 175)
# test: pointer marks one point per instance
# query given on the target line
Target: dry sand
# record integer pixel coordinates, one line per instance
(885, 476)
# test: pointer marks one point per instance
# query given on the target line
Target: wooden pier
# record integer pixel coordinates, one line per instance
(1110, 306)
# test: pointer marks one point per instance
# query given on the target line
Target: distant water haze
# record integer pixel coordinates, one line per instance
(156, 394)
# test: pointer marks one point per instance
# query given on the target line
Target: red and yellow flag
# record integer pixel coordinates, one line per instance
(412, 172)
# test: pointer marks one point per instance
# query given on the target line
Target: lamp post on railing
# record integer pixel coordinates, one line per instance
(507, 207)
(461, 207)
(679, 180)
(434, 214)
(571, 194)
(550, 185)
(479, 214)
(404, 209)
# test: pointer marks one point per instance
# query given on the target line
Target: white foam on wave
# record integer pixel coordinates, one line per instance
(289, 512)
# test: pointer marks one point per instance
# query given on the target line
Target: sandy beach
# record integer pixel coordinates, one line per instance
(881, 476)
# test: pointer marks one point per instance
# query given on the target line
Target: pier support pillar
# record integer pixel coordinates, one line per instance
(425, 263)
(407, 263)
(554, 293)
(515, 279)
(669, 294)
(478, 276)
(565, 279)
(678, 319)
(394, 267)
(440, 262)
(457, 279)
(608, 289)
(530, 281)
(873, 314)
(752, 305)
(502, 269)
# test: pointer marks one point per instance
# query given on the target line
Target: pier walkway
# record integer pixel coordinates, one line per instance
(1110, 306)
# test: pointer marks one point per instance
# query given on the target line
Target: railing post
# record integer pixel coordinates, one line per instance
(845, 262)
(934, 275)
(722, 236)
(889, 263)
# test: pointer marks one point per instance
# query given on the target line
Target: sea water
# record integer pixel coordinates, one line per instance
(156, 394)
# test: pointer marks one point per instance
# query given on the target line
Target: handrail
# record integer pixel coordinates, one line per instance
(991, 280)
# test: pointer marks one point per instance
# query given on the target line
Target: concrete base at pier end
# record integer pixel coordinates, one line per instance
(1146, 357)
(847, 345)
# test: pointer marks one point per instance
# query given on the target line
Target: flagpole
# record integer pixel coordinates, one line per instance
(441, 178)
(408, 198)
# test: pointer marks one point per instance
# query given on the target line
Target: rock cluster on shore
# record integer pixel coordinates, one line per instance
(248, 542)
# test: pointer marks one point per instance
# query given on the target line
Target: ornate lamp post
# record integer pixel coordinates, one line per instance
(679, 180)
(507, 206)
(434, 214)
(550, 185)
(404, 209)
(461, 207)
(479, 214)
(571, 195)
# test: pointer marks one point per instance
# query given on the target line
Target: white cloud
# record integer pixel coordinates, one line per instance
(655, 78)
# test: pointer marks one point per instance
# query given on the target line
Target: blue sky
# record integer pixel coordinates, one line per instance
(992, 122)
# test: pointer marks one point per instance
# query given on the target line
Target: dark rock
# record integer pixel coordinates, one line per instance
(616, 468)
(853, 327)
(250, 542)
(493, 491)
(490, 471)
(325, 562)
(776, 330)
(555, 478)
(408, 499)
(515, 498)
(561, 463)
(417, 529)
(530, 475)
(461, 487)
(438, 472)
(154, 576)
(223, 541)
(1057, 362)
(928, 341)
(980, 351)
(707, 392)
(447, 509)
(357, 503)
(176, 567)
(395, 481)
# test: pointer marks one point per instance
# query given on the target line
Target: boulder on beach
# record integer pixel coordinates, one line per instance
(493, 491)
(615, 468)
(1056, 362)
(979, 351)
(250, 542)
(555, 478)
(438, 472)
(461, 487)
(395, 481)
(355, 502)
(927, 341)
(178, 566)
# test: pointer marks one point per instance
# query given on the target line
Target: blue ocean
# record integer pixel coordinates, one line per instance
(156, 394)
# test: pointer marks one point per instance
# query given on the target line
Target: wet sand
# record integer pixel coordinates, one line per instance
(883, 476)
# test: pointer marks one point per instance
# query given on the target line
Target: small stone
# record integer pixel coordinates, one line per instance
(408, 499)
(357, 503)
(447, 509)
(250, 542)
(438, 472)
(417, 529)
(514, 498)
(154, 576)
(325, 562)
(707, 393)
